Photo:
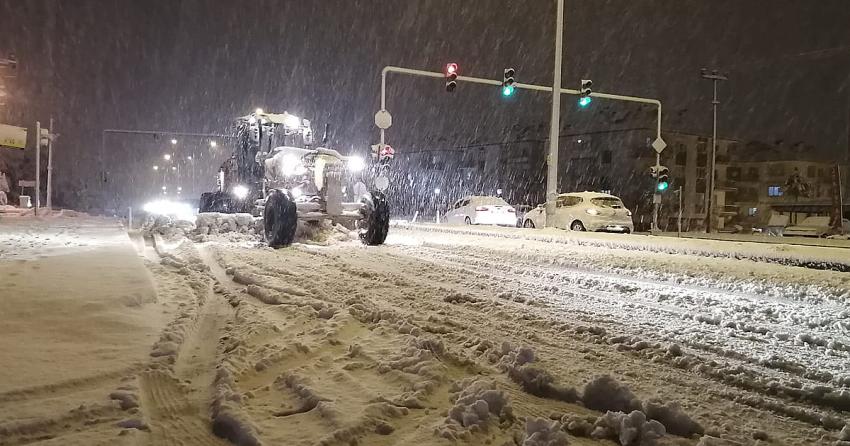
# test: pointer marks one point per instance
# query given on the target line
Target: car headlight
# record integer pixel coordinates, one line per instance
(629, 213)
(291, 122)
(592, 211)
(240, 191)
(356, 164)
(292, 165)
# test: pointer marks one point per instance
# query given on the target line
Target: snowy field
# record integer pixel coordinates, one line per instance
(439, 337)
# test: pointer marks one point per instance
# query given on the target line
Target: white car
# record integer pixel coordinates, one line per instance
(478, 210)
(817, 226)
(584, 211)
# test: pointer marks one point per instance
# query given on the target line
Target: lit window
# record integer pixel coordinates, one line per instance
(752, 211)
(774, 191)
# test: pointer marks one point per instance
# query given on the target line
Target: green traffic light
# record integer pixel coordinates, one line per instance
(584, 101)
(662, 186)
(508, 90)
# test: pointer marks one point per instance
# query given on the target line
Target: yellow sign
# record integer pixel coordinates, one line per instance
(12, 136)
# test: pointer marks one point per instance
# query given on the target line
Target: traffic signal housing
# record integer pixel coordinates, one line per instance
(508, 82)
(584, 92)
(663, 182)
(451, 77)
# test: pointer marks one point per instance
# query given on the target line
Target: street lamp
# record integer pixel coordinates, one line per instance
(173, 142)
(259, 111)
(167, 157)
(714, 76)
(213, 144)
(155, 167)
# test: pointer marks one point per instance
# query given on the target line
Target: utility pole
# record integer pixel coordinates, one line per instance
(714, 76)
(554, 125)
(50, 167)
(37, 166)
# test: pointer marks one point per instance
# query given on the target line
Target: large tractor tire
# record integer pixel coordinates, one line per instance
(376, 219)
(280, 219)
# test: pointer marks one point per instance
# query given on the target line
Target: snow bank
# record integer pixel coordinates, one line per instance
(604, 393)
(515, 362)
(542, 432)
(632, 429)
(477, 404)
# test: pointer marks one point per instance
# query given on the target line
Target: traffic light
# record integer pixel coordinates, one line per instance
(585, 91)
(508, 82)
(663, 179)
(451, 77)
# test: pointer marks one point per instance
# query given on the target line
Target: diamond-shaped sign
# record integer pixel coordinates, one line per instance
(659, 145)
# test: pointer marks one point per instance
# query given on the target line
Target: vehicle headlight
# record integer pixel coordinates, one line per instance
(292, 165)
(629, 213)
(592, 211)
(291, 122)
(177, 210)
(240, 191)
(296, 192)
(356, 164)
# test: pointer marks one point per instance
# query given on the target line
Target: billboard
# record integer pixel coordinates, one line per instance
(13, 136)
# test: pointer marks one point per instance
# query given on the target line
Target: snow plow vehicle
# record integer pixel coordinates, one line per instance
(276, 173)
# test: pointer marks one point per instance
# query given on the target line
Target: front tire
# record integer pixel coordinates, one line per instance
(577, 226)
(528, 224)
(280, 219)
(467, 221)
(375, 223)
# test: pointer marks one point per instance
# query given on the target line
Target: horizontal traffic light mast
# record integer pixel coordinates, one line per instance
(500, 83)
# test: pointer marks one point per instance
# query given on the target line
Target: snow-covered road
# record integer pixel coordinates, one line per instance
(463, 336)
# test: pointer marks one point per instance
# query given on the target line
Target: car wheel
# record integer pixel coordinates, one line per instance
(280, 219)
(627, 231)
(467, 221)
(577, 226)
(528, 224)
(375, 223)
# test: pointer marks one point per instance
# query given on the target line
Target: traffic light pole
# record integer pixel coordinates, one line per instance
(37, 166)
(552, 174)
(555, 119)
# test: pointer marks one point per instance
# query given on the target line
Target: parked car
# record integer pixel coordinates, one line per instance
(584, 211)
(817, 226)
(480, 210)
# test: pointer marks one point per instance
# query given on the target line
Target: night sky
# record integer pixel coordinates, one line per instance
(193, 65)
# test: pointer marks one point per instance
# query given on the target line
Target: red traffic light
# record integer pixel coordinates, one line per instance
(451, 68)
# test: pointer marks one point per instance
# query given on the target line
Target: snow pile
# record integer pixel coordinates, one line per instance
(516, 363)
(631, 429)
(604, 393)
(844, 436)
(218, 223)
(166, 227)
(477, 404)
(542, 432)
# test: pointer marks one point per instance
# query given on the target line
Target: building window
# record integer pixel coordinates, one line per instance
(753, 174)
(774, 191)
(702, 145)
(702, 159)
(606, 157)
(752, 212)
(812, 171)
(776, 170)
(732, 148)
(681, 156)
(700, 189)
(820, 173)
(733, 173)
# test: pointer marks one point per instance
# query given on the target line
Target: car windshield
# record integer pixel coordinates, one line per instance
(607, 202)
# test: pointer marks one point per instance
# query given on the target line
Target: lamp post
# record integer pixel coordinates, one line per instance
(714, 76)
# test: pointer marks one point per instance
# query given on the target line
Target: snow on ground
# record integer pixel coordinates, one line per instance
(457, 337)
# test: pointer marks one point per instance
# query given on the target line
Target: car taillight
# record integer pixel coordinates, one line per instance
(482, 208)
(592, 211)
(511, 210)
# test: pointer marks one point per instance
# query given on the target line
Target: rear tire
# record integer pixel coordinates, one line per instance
(528, 224)
(467, 221)
(577, 226)
(376, 219)
(280, 219)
